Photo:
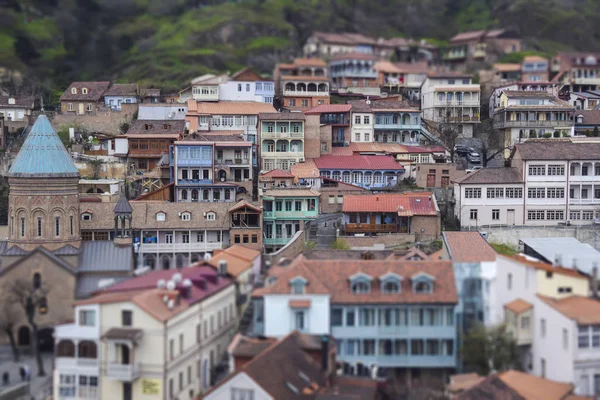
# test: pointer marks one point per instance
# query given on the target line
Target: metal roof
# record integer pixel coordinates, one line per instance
(87, 285)
(43, 154)
(123, 206)
(571, 252)
(104, 255)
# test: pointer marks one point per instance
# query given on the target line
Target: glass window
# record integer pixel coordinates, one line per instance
(350, 317)
(336, 317)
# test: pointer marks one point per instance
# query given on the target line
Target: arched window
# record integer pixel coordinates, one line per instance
(391, 287)
(161, 216)
(361, 287)
(84, 90)
(205, 194)
(87, 349)
(186, 216)
(216, 195)
(65, 348)
(149, 261)
(166, 263)
(37, 280)
(73, 90)
(195, 195)
(227, 194)
(184, 194)
(423, 287)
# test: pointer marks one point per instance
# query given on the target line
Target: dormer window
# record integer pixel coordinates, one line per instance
(147, 127)
(390, 283)
(73, 90)
(186, 216)
(580, 119)
(84, 90)
(161, 216)
(86, 216)
(423, 283)
(211, 216)
(298, 285)
(11, 100)
(360, 283)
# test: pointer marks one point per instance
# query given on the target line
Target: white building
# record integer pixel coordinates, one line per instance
(451, 99)
(245, 85)
(157, 336)
(15, 108)
(164, 111)
(532, 114)
(494, 101)
(549, 182)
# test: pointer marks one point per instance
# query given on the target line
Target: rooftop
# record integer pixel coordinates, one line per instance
(43, 154)
(151, 127)
(557, 149)
(491, 175)
(239, 259)
(590, 117)
(344, 38)
(468, 247)
(532, 262)
(122, 89)
(507, 67)
(532, 387)
(420, 203)
(282, 116)
(19, 102)
(329, 108)
(276, 192)
(571, 253)
(518, 306)
(332, 277)
(229, 108)
(95, 91)
(582, 310)
(357, 162)
(276, 173)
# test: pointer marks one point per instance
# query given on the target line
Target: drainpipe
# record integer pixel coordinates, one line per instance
(524, 191)
(165, 355)
(567, 190)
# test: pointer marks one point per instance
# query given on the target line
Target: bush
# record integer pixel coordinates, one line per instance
(587, 133)
(565, 134)
(595, 132)
(339, 244)
(504, 249)
(532, 134)
(556, 134)
(547, 135)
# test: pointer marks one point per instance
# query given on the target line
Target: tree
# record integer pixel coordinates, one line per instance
(9, 317)
(490, 349)
(490, 142)
(339, 244)
(32, 299)
(449, 133)
(95, 165)
(595, 132)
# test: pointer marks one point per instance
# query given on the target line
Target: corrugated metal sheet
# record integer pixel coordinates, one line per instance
(104, 255)
(357, 162)
(86, 285)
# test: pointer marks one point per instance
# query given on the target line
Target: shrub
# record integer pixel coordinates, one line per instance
(547, 135)
(339, 244)
(595, 132)
(532, 134)
(556, 134)
(565, 134)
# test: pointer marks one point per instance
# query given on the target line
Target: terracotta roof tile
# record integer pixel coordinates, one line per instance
(537, 264)
(413, 204)
(332, 277)
(239, 259)
(518, 306)
(275, 192)
(468, 247)
(507, 67)
(95, 91)
(307, 169)
(461, 382)
(149, 127)
(282, 116)
(276, 173)
(491, 387)
(534, 58)
(583, 310)
(329, 108)
(471, 35)
(412, 68)
(491, 175)
(358, 162)
(122, 89)
(299, 303)
(228, 108)
(557, 149)
(309, 62)
(532, 387)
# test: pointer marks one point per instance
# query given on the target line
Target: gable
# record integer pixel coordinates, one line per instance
(240, 380)
(41, 258)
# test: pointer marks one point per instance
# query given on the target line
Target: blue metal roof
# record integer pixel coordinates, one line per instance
(43, 154)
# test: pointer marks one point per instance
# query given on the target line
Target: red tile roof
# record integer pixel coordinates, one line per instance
(518, 306)
(420, 203)
(583, 310)
(358, 163)
(333, 277)
(468, 247)
(277, 173)
(329, 108)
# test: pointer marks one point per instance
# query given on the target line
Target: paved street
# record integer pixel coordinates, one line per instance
(323, 230)
(40, 387)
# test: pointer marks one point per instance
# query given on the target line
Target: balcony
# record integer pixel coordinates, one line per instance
(464, 118)
(374, 228)
(233, 162)
(282, 154)
(584, 201)
(282, 135)
(402, 360)
(456, 103)
(455, 54)
(194, 182)
(584, 178)
(290, 214)
(305, 93)
(276, 241)
(586, 81)
(76, 362)
(532, 124)
(354, 73)
(180, 247)
(397, 126)
(123, 372)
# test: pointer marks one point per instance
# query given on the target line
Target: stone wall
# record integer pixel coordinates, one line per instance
(289, 251)
(389, 240)
(103, 121)
(426, 228)
(512, 235)
(113, 170)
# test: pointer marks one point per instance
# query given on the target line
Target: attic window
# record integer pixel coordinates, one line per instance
(86, 216)
(423, 287)
(211, 216)
(186, 216)
(167, 126)
(298, 285)
(161, 216)
(11, 101)
(73, 90)
(147, 126)
(390, 286)
(361, 287)
(84, 90)
(422, 283)
(580, 119)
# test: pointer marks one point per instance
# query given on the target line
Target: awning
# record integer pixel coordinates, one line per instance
(299, 303)
(128, 334)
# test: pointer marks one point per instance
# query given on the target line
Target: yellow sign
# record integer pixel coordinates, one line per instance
(150, 386)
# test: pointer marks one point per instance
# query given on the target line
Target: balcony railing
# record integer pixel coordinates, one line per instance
(584, 178)
(584, 201)
(587, 81)
(290, 214)
(282, 135)
(232, 161)
(76, 362)
(304, 93)
(170, 247)
(280, 240)
(368, 228)
(402, 360)
(397, 126)
(532, 124)
(282, 154)
(194, 181)
(456, 103)
(464, 118)
(123, 372)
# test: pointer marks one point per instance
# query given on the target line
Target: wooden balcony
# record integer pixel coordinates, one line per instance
(374, 228)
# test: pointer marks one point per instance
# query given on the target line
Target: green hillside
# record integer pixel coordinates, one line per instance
(166, 42)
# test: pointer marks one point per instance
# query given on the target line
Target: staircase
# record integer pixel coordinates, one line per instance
(246, 320)
(434, 138)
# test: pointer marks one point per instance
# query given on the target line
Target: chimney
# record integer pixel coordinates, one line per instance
(200, 283)
(186, 289)
(595, 280)
(222, 267)
(557, 260)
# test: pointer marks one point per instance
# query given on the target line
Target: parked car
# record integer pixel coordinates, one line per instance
(474, 157)
(473, 169)
(462, 150)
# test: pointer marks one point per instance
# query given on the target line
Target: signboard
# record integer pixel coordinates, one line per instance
(150, 386)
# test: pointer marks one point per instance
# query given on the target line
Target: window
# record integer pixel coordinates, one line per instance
(357, 119)
(88, 107)
(509, 281)
(161, 216)
(357, 137)
(70, 106)
(473, 193)
(211, 216)
(416, 347)
(361, 287)
(366, 317)
(495, 215)
(514, 193)
(556, 170)
(525, 322)
(536, 193)
(543, 327)
(565, 338)
(126, 317)
(304, 103)
(292, 102)
(555, 193)
(366, 120)
(391, 287)
(73, 90)
(543, 367)
(423, 287)
(22, 226)
(299, 320)
(242, 394)
(298, 285)
(535, 215)
(336, 316)
(186, 216)
(180, 343)
(473, 214)
(39, 226)
(67, 386)
(181, 381)
(537, 170)
(495, 193)
(87, 317)
(239, 87)
(57, 226)
(556, 215)
(247, 87)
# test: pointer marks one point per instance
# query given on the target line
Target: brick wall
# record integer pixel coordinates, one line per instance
(389, 240)
(312, 139)
(423, 170)
(431, 227)
(289, 251)
(103, 121)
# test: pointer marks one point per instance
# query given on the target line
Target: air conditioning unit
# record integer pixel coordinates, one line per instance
(302, 159)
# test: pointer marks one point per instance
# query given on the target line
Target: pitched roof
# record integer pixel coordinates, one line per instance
(412, 68)
(518, 94)
(20, 102)
(229, 108)
(590, 117)
(471, 35)
(43, 154)
(239, 259)
(210, 79)
(123, 206)
(332, 277)
(491, 387)
(507, 67)
(518, 306)
(532, 387)
(557, 149)
(244, 346)
(534, 58)
(247, 70)
(309, 62)
(329, 108)
(358, 162)
(276, 173)
(404, 204)
(95, 91)
(122, 89)
(460, 382)
(153, 127)
(491, 175)
(103, 256)
(537, 264)
(306, 170)
(468, 247)
(344, 38)
(583, 310)
(282, 116)
(380, 105)
(277, 370)
(387, 66)
(88, 284)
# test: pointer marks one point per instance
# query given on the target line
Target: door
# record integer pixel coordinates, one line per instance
(510, 217)
(81, 108)
(430, 180)
(127, 391)
(237, 174)
(124, 354)
(372, 220)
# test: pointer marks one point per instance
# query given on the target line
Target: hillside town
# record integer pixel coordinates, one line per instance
(374, 219)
